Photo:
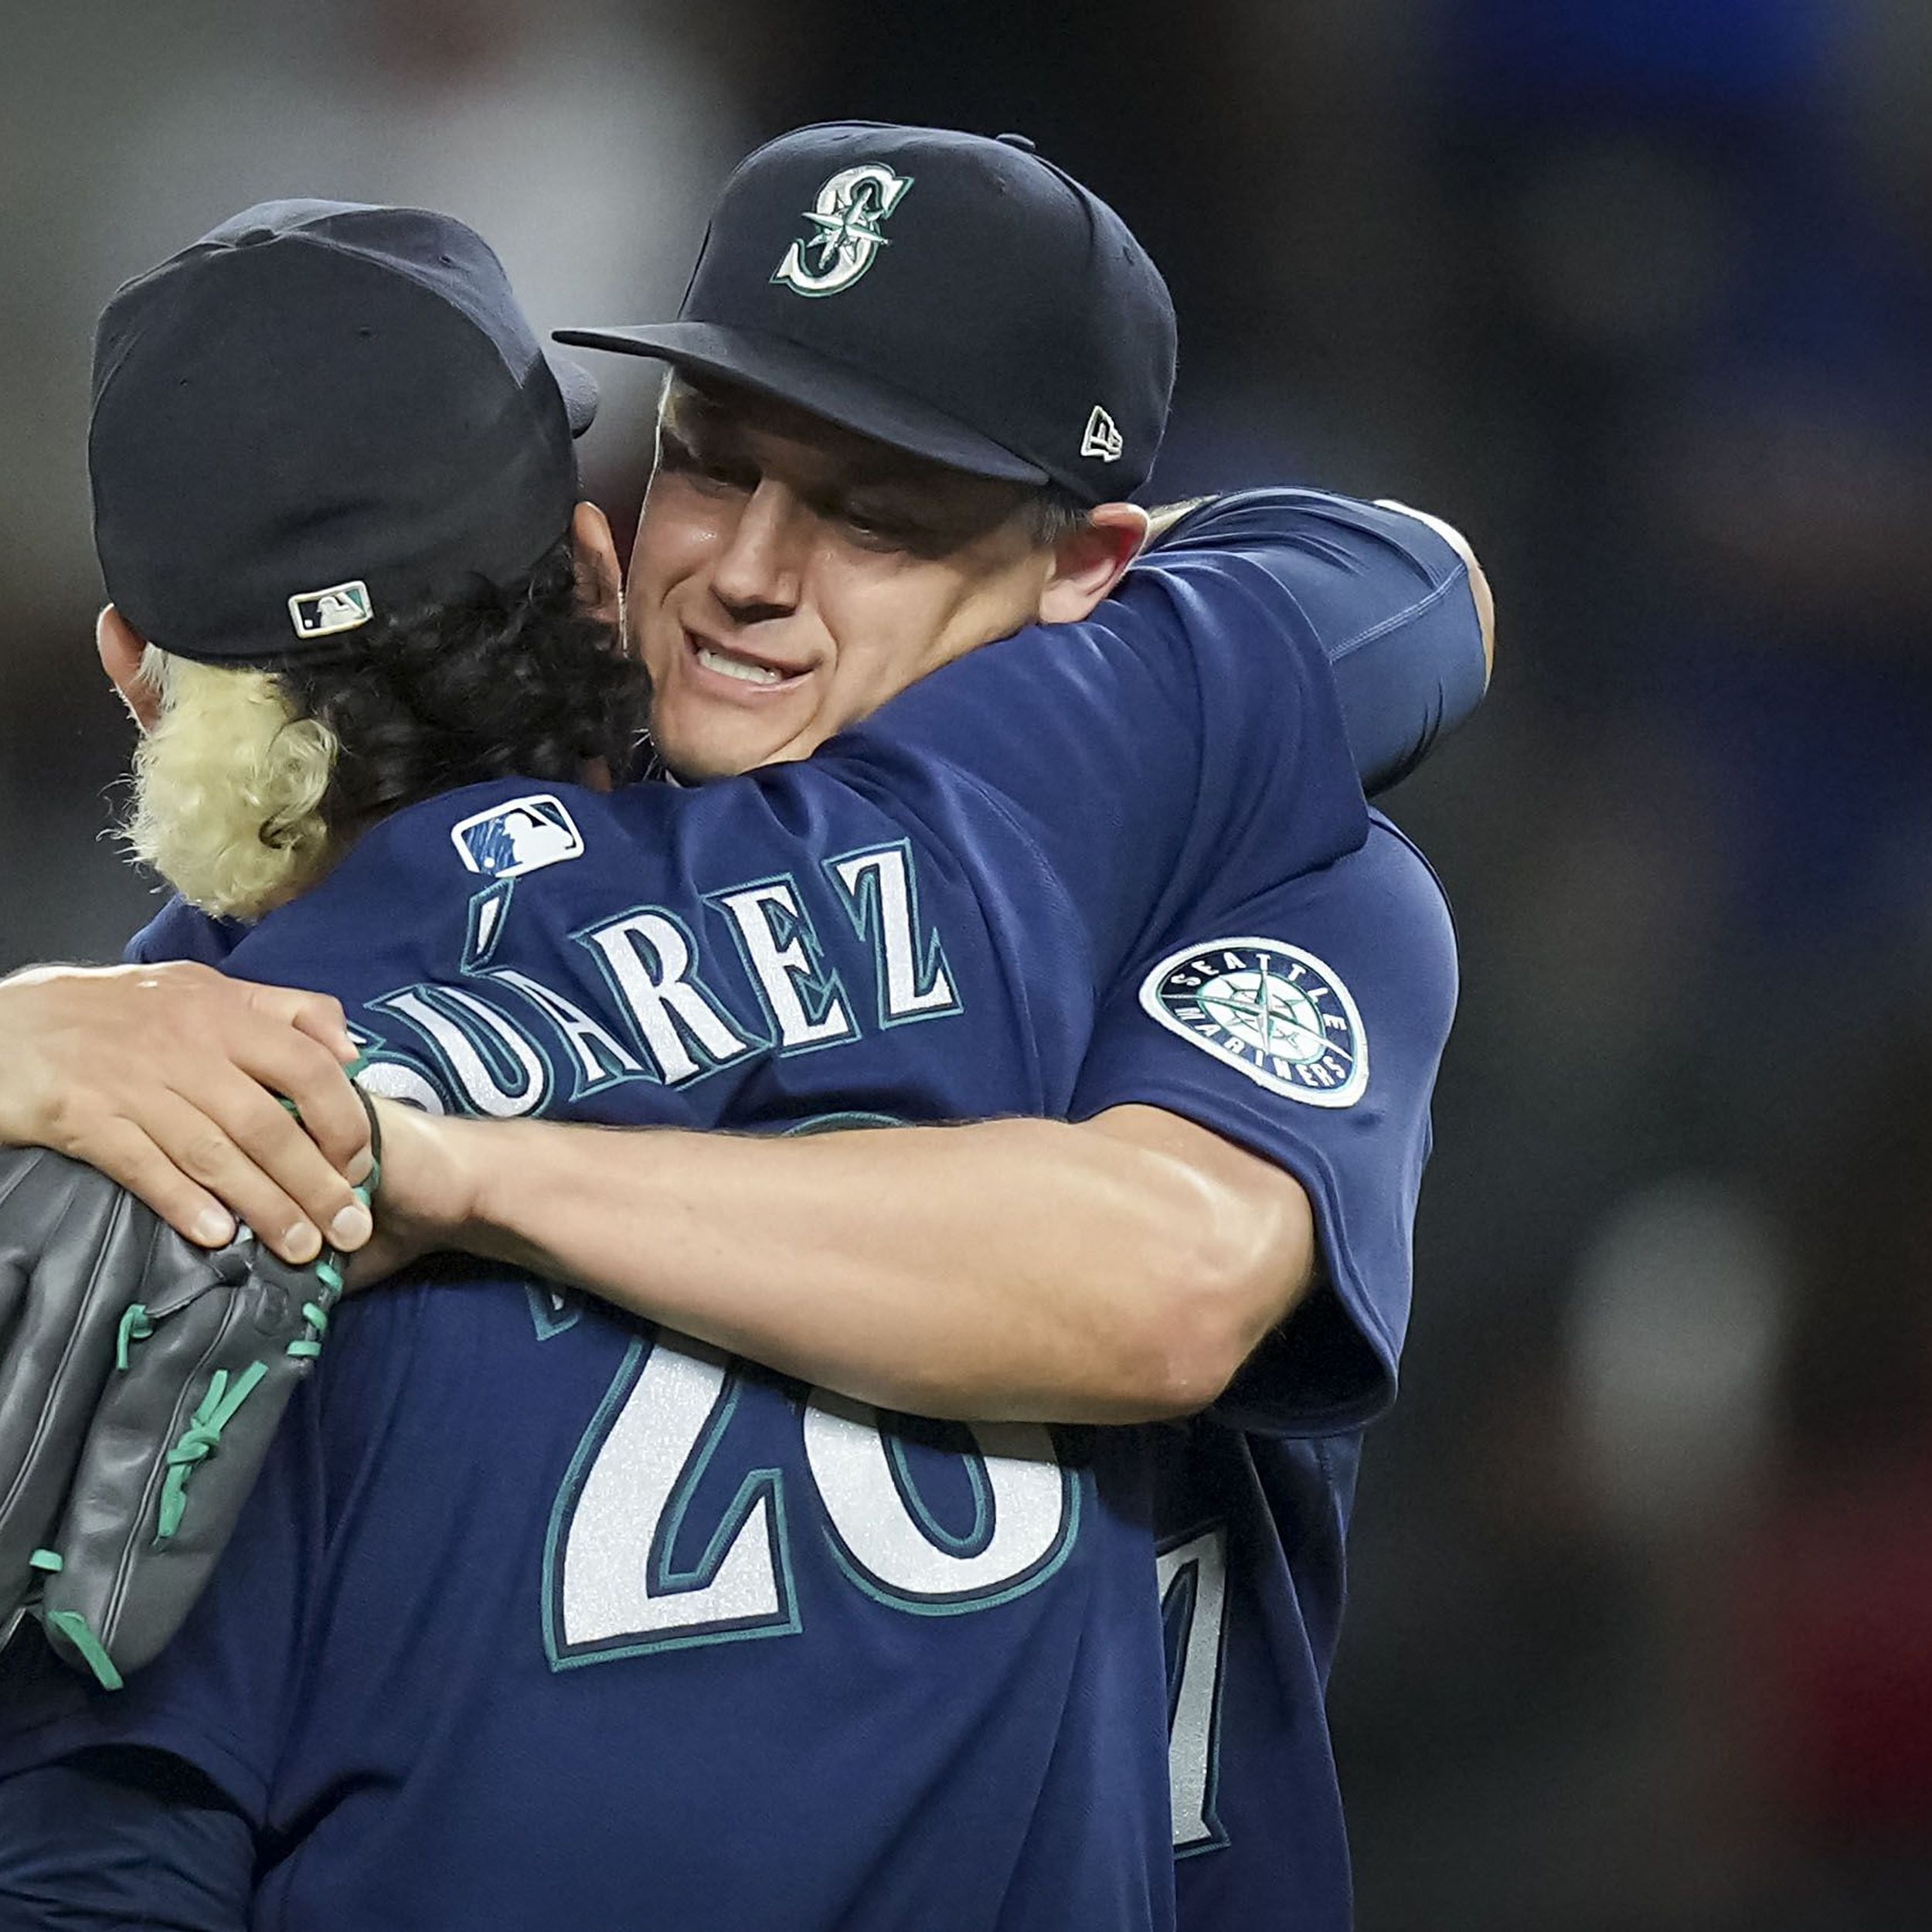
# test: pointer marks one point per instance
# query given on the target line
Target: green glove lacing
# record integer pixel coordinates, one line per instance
(311, 1345)
(72, 1626)
(200, 1440)
(134, 1327)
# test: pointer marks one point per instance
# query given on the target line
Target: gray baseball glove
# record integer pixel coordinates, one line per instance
(141, 1379)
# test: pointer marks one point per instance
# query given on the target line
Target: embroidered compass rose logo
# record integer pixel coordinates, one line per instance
(845, 216)
(1270, 1010)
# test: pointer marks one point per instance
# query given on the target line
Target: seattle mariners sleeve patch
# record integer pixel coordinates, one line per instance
(1269, 1010)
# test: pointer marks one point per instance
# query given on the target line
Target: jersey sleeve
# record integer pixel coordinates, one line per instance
(1190, 736)
(1403, 677)
(111, 1838)
(179, 931)
(1307, 1025)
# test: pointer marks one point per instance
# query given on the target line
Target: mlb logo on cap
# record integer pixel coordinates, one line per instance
(320, 613)
(314, 388)
(523, 835)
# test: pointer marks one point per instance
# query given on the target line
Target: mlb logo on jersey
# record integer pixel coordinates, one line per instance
(320, 613)
(524, 835)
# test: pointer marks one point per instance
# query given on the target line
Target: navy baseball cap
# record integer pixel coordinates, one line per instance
(319, 414)
(949, 294)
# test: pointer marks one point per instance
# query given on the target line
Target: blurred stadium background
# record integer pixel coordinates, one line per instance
(1639, 292)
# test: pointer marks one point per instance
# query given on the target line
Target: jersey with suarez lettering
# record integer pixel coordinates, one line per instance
(540, 1615)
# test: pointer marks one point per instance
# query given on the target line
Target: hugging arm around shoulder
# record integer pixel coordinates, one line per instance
(1185, 755)
(1404, 614)
(1184, 763)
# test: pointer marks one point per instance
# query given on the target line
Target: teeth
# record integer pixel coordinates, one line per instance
(736, 667)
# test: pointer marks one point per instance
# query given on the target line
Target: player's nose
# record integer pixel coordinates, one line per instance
(758, 572)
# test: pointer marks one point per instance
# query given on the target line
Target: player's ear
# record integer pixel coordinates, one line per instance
(1089, 561)
(122, 648)
(599, 576)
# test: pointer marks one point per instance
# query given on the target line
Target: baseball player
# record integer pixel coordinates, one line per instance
(1198, 989)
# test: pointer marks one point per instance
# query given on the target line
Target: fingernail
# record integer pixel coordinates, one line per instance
(214, 1228)
(302, 1243)
(352, 1227)
(361, 1167)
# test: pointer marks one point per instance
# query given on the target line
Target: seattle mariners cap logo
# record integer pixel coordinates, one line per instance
(846, 215)
(320, 613)
(1269, 1010)
(524, 835)
(1102, 438)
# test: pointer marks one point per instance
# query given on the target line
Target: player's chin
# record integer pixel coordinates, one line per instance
(699, 742)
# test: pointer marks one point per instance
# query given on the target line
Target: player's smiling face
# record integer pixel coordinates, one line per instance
(790, 576)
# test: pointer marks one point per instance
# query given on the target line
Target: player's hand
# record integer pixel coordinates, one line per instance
(424, 1200)
(166, 1079)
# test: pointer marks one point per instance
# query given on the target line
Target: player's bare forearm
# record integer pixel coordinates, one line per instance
(166, 1078)
(1115, 1271)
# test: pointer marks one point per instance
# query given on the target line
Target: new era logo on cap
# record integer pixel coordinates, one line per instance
(320, 613)
(1102, 438)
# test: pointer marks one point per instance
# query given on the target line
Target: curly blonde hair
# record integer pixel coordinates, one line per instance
(254, 783)
(229, 787)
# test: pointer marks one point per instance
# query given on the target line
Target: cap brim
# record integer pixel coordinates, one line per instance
(578, 389)
(848, 397)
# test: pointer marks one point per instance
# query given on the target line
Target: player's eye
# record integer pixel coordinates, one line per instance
(875, 527)
(708, 468)
(868, 529)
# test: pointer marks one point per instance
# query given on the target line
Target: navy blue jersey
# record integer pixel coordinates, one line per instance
(540, 1616)
(1309, 1028)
